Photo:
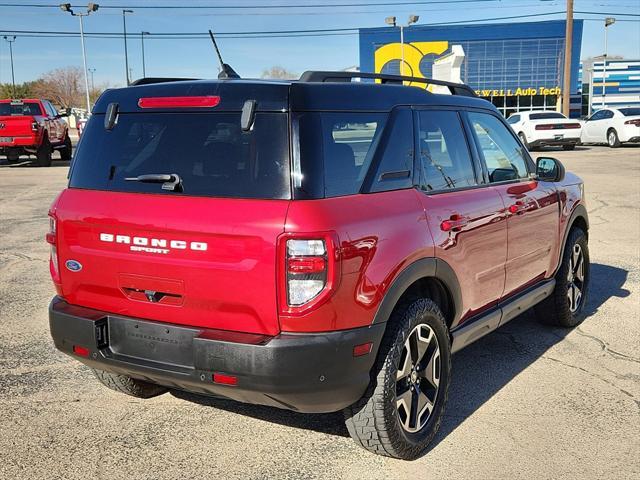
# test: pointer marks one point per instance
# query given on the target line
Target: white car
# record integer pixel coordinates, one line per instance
(545, 129)
(613, 126)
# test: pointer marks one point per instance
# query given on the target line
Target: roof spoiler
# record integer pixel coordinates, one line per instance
(152, 80)
(326, 76)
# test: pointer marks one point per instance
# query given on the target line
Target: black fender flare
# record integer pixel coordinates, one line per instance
(580, 211)
(422, 268)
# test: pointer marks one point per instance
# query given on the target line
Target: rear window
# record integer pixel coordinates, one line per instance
(209, 151)
(27, 108)
(546, 116)
(629, 112)
(337, 148)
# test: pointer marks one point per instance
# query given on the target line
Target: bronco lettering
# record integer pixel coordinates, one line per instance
(138, 242)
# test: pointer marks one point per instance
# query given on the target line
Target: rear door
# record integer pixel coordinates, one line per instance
(532, 207)
(465, 217)
(202, 254)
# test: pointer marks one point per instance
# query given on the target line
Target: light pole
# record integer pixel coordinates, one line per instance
(392, 21)
(144, 70)
(91, 7)
(10, 39)
(126, 55)
(93, 86)
(607, 22)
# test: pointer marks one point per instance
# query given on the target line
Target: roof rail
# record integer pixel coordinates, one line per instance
(151, 80)
(325, 76)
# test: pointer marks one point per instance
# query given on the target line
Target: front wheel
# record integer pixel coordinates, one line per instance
(612, 139)
(565, 306)
(569, 147)
(65, 152)
(403, 407)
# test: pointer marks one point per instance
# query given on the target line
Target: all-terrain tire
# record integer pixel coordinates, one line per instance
(43, 155)
(612, 138)
(374, 421)
(128, 385)
(65, 153)
(569, 147)
(557, 309)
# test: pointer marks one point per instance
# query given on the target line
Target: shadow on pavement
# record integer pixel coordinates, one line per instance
(479, 371)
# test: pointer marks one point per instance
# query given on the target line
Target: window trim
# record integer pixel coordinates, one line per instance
(418, 153)
(529, 163)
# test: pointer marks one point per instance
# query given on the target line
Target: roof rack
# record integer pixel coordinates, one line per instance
(325, 76)
(151, 80)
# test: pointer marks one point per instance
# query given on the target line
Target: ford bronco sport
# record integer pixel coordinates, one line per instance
(33, 127)
(315, 245)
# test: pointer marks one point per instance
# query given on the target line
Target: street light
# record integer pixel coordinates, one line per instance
(91, 7)
(144, 70)
(126, 56)
(607, 23)
(10, 39)
(92, 71)
(392, 21)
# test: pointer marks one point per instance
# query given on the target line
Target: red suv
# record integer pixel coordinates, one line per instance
(316, 245)
(33, 127)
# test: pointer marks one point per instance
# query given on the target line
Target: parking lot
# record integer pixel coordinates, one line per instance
(527, 401)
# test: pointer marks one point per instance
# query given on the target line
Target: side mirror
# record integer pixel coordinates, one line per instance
(62, 113)
(549, 169)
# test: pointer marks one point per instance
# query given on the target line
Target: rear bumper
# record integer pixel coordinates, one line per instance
(550, 142)
(303, 372)
(30, 141)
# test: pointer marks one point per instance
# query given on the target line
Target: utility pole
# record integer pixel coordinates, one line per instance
(607, 22)
(566, 76)
(93, 86)
(10, 40)
(144, 68)
(126, 55)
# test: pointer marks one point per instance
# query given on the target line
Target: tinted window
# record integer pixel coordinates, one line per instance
(338, 146)
(501, 152)
(210, 152)
(628, 112)
(395, 167)
(514, 119)
(444, 154)
(607, 114)
(27, 108)
(546, 116)
(48, 108)
(599, 115)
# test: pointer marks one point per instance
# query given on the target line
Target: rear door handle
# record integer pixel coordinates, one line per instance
(521, 207)
(455, 223)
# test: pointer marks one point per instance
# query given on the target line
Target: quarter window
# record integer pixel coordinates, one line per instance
(444, 154)
(514, 119)
(502, 154)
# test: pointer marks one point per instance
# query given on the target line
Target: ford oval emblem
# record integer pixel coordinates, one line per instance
(73, 265)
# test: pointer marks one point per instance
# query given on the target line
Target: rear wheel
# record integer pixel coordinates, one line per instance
(65, 152)
(402, 409)
(612, 138)
(43, 155)
(568, 147)
(523, 139)
(128, 385)
(565, 306)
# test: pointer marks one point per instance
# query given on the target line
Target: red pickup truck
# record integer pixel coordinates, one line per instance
(33, 127)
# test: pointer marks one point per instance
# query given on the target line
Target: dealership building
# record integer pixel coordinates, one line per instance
(517, 66)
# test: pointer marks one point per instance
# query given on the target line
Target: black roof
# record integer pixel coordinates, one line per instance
(285, 95)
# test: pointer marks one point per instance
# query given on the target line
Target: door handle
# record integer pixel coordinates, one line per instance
(455, 223)
(521, 207)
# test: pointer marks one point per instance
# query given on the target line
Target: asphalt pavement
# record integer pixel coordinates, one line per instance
(527, 401)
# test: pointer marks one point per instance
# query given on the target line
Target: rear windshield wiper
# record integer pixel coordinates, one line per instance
(169, 181)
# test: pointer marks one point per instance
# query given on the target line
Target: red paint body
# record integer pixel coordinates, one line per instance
(236, 284)
(28, 130)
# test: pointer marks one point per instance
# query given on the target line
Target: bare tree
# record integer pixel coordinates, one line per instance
(63, 86)
(278, 72)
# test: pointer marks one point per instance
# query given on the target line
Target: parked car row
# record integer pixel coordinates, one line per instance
(612, 126)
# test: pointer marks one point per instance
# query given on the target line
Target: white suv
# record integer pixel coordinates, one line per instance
(545, 129)
(613, 126)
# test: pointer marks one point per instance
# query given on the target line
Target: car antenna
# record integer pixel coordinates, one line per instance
(225, 69)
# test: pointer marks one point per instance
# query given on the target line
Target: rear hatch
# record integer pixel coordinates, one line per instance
(202, 254)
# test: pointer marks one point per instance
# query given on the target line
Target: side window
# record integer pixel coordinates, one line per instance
(445, 162)
(53, 110)
(608, 114)
(48, 108)
(503, 155)
(599, 115)
(513, 119)
(395, 166)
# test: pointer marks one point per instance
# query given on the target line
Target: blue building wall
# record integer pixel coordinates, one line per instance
(502, 60)
(622, 84)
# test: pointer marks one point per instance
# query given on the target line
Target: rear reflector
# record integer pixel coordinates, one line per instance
(306, 264)
(179, 102)
(80, 351)
(225, 379)
(363, 349)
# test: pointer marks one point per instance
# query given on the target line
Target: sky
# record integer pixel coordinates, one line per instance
(250, 56)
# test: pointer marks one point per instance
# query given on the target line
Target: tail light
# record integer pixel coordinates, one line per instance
(310, 271)
(635, 121)
(570, 126)
(34, 126)
(544, 127)
(52, 239)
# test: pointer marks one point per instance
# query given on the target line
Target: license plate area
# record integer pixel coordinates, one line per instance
(6, 139)
(558, 137)
(151, 341)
